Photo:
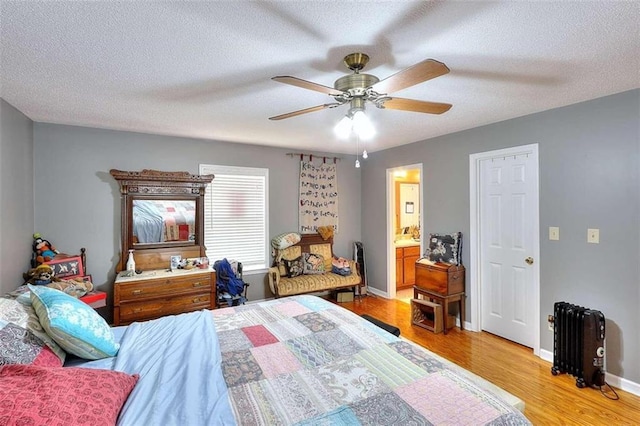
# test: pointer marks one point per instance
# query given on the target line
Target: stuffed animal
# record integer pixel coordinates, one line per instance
(75, 288)
(325, 232)
(44, 275)
(40, 275)
(44, 251)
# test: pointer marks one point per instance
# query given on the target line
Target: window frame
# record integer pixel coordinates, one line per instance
(223, 170)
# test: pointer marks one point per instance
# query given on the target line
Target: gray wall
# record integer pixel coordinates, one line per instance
(589, 178)
(16, 195)
(78, 202)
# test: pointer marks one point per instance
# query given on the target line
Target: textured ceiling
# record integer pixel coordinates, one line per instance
(203, 69)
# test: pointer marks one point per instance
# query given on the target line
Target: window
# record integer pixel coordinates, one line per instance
(236, 206)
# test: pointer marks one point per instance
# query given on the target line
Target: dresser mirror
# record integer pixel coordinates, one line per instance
(162, 220)
(162, 215)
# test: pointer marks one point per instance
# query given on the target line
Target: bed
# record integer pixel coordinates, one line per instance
(296, 360)
(163, 220)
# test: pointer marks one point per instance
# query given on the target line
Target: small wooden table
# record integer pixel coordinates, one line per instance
(443, 300)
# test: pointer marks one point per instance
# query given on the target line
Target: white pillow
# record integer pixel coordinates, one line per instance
(285, 240)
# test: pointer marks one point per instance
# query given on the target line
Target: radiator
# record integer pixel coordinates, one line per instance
(578, 343)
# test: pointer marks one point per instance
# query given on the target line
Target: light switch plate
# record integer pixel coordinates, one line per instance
(593, 236)
(554, 233)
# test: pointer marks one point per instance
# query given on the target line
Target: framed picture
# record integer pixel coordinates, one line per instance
(67, 267)
(408, 207)
(175, 262)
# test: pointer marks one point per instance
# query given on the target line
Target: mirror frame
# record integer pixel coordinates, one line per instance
(159, 185)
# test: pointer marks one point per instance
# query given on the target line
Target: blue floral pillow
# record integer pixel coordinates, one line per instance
(73, 324)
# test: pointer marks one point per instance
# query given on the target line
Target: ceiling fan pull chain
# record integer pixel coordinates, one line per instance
(357, 151)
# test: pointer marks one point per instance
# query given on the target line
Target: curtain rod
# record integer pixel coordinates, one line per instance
(301, 155)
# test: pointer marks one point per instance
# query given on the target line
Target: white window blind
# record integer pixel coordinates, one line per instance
(236, 215)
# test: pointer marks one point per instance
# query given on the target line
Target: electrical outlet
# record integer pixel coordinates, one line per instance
(550, 320)
(554, 233)
(593, 236)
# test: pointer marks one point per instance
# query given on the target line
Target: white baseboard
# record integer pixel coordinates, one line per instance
(613, 380)
(377, 292)
(624, 384)
(546, 355)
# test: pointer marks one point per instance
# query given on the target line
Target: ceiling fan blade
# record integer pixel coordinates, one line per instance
(416, 106)
(422, 71)
(294, 81)
(303, 111)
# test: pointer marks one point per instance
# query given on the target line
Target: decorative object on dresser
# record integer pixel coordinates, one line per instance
(162, 217)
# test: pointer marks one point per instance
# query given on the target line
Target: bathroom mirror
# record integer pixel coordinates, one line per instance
(409, 205)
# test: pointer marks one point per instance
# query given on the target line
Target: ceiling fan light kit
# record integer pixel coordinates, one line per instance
(356, 89)
(356, 122)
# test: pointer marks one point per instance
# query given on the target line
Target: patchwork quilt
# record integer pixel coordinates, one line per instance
(305, 361)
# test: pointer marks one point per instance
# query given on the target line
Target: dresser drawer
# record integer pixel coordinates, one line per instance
(143, 290)
(441, 279)
(137, 311)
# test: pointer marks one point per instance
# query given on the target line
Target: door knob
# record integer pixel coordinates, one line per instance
(529, 260)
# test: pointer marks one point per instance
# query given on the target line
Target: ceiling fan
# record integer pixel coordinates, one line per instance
(356, 89)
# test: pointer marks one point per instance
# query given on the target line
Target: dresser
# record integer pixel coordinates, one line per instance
(162, 220)
(156, 293)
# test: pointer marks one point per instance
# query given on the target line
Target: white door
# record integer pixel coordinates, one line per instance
(508, 240)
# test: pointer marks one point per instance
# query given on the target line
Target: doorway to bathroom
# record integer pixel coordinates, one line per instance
(405, 218)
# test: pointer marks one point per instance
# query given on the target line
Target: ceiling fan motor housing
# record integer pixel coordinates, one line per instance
(355, 82)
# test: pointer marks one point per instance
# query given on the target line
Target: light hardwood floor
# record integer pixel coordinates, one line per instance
(549, 400)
